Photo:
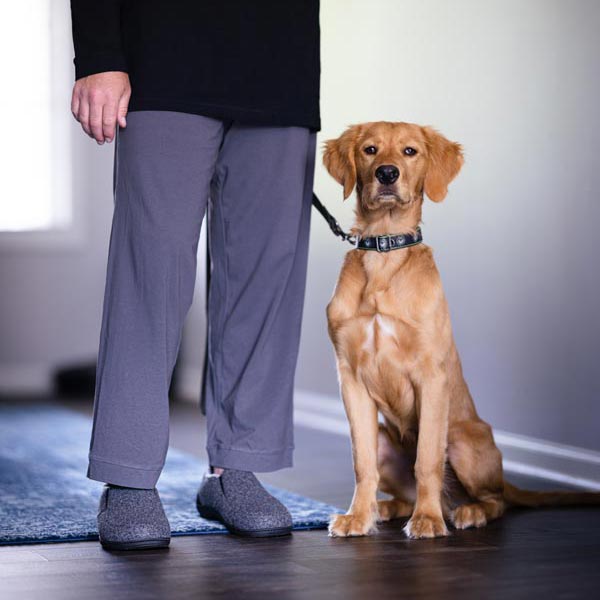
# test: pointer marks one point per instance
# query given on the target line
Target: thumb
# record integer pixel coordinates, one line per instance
(122, 110)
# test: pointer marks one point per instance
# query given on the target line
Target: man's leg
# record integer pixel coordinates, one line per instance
(259, 232)
(163, 167)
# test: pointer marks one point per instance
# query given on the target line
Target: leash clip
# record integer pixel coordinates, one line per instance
(333, 224)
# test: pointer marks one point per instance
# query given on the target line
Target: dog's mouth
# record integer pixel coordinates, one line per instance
(382, 196)
(385, 194)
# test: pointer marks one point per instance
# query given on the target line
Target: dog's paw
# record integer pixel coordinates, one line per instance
(351, 525)
(469, 515)
(393, 509)
(425, 526)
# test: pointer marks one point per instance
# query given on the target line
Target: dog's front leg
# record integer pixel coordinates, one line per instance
(427, 520)
(361, 517)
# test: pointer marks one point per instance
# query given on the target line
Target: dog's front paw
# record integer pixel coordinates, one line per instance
(351, 525)
(422, 525)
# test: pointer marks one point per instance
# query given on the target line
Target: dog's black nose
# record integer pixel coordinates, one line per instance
(387, 174)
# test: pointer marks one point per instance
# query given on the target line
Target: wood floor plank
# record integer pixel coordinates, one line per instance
(529, 554)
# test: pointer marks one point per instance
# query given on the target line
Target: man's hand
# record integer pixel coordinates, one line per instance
(99, 102)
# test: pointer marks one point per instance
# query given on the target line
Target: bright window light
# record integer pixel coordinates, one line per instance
(31, 174)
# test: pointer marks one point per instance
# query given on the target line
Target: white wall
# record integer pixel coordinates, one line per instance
(51, 284)
(517, 84)
(51, 296)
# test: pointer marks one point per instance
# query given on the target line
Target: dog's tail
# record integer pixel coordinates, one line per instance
(515, 496)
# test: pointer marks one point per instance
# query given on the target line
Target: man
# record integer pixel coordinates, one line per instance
(214, 107)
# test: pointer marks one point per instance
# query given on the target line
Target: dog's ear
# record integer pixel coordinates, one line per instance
(338, 158)
(445, 161)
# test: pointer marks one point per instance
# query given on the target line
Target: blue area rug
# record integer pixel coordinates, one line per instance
(46, 497)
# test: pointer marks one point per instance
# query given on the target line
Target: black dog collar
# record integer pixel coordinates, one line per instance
(390, 241)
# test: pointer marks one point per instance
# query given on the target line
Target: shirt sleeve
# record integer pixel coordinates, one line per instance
(97, 39)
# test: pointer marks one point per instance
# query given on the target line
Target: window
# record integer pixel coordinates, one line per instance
(35, 154)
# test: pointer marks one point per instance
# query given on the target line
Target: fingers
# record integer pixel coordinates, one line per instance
(99, 102)
(75, 103)
(122, 109)
(96, 109)
(109, 121)
(80, 107)
(114, 113)
(83, 116)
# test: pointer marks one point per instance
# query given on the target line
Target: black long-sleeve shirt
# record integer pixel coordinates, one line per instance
(256, 61)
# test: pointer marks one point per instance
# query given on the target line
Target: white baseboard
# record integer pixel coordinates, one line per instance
(32, 379)
(568, 465)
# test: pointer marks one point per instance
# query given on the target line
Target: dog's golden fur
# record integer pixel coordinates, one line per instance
(390, 327)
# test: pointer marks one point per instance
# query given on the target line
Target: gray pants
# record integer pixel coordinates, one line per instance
(257, 184)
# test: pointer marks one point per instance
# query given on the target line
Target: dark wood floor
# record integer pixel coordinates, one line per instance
(528, 554)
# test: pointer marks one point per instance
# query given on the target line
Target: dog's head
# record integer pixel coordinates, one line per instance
(392, 164)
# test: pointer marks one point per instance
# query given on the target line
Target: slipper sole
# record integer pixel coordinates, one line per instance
(206, 512)
(139, 545)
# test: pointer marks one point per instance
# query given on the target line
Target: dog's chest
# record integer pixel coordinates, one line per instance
(385, 345)
(375, 331)
(387, 350)
(383, 366)
(383, 326)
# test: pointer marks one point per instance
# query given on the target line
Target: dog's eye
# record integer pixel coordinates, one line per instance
(409, 151)
(370, 150)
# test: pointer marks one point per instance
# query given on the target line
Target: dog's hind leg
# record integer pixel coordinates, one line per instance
(394, 509)
(396, 477)
(477, 463)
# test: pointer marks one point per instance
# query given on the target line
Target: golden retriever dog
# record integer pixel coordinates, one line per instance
(395, 354)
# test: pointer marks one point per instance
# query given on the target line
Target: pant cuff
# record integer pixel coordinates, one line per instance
(258, 462)
(99, 470)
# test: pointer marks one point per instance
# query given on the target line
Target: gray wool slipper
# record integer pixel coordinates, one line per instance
(241, 503)
(132, 519)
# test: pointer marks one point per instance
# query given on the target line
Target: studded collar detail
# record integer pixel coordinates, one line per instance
(389, 241)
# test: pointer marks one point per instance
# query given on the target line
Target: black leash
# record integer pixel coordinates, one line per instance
(379, 243)
(333, 224)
